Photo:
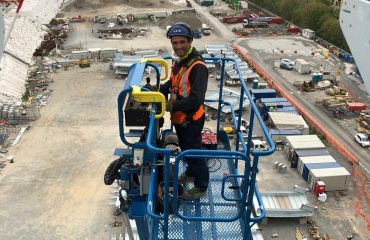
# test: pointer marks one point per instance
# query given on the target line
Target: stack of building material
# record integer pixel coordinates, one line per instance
(334, 101)
(335, 90)
(363, 122)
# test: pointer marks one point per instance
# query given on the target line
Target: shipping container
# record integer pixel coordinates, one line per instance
(260, 102)
(294, 30)
(235, 19)
(276, 20)
(291, 110)
(271, 107)
(107, 53)
(295, 143)
(284, 120)
(356, 106)
(302, 67)
(243, 5)
(308, 33)
(80, 55)
(263, 93)
(313, 159)
(162, 14)
(335, 179)
(310, 166)
(296, 154)
(277, 99)
(280, 135)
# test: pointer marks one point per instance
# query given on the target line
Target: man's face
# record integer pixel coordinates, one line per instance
(180, 45)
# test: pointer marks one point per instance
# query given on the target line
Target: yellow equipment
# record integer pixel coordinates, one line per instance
(84, 63)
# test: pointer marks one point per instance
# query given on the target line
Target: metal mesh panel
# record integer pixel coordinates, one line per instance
(211, 206)
(179, 230)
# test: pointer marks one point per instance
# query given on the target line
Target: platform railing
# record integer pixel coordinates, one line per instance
(248, 189)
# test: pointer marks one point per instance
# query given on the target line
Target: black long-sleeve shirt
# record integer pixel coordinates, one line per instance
(198, 79)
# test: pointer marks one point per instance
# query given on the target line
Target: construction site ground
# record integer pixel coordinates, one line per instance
(55, 189)
(261, 50)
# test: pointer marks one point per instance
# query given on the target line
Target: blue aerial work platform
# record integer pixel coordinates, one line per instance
(228, 211)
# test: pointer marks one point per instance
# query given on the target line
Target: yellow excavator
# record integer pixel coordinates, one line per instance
(84, 63)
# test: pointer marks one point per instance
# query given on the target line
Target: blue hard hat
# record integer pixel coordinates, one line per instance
(180, 29)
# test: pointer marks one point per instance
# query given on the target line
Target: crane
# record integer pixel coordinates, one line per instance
(147, 169)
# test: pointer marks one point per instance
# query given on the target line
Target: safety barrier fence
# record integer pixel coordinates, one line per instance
(338, 145)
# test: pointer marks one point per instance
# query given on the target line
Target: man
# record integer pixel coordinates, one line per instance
(187, 88)
(148, 85)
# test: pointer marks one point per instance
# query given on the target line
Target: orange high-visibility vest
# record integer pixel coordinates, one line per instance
(181, 86)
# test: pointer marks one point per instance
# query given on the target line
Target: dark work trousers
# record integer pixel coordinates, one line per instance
(190, 138)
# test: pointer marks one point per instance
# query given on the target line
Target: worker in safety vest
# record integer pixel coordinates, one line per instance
(187, 88)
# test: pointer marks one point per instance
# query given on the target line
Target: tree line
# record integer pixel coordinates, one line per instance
(318, 15)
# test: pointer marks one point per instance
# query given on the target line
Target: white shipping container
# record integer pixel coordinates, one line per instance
(304, 142)
(79, 55)
(313, 159)
(243, 5)
(303, 138)
(302, 66)
(308, 33)
(335, 179)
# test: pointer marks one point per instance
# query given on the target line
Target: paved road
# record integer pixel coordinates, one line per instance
(214, 22)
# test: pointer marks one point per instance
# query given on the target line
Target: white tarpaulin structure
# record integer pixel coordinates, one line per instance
(26, 36)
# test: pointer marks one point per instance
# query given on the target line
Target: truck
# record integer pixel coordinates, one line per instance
(206, 30)
(302, 66)
(254, 23)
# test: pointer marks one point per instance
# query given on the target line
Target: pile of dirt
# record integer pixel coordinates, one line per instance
(93, 4)
(190, 18)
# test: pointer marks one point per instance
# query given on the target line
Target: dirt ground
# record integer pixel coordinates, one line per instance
(55, 187)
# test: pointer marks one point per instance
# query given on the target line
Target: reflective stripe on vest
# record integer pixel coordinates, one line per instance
(182, 87)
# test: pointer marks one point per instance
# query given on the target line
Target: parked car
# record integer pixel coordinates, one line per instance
(218, 76)
(362, 139)
(259, 145)
(286, 64)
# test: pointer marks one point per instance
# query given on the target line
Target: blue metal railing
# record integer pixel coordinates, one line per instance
(248, 189)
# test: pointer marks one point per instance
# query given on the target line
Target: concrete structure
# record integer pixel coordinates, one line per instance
(26, 36)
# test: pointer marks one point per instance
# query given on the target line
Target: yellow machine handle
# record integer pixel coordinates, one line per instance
(149, 97)
(161, 62)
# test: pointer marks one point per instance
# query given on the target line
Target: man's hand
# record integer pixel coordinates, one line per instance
(169, 107)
